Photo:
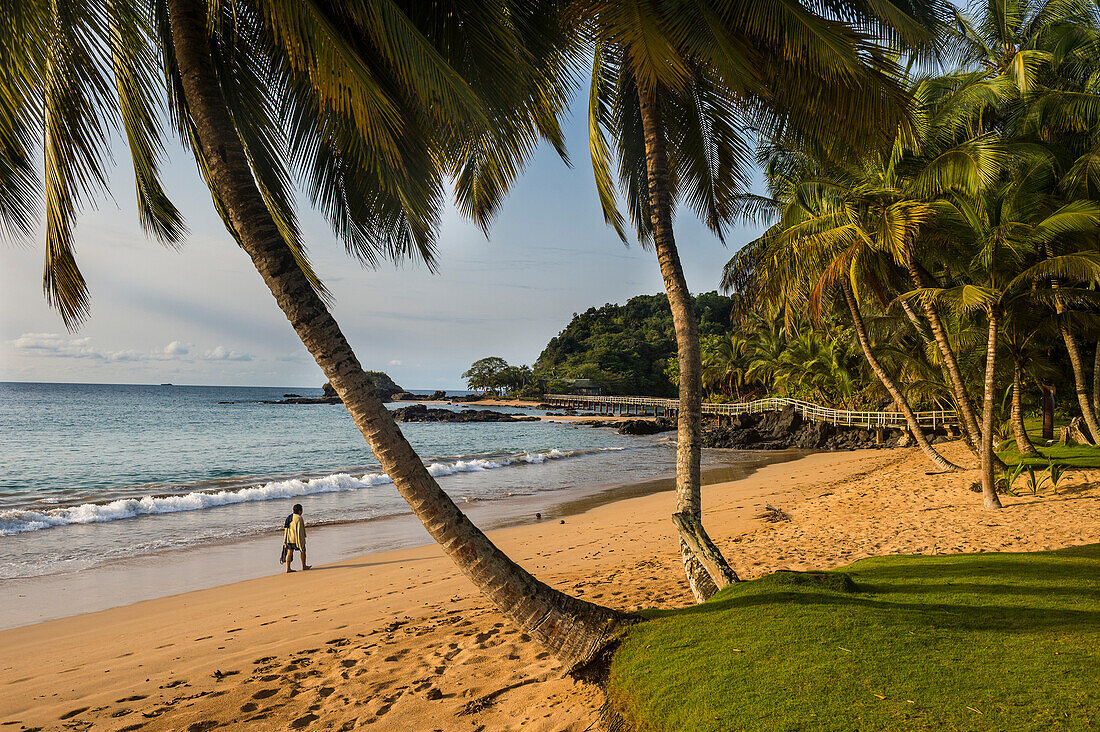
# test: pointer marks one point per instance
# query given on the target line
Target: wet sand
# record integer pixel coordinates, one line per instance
(402, 641)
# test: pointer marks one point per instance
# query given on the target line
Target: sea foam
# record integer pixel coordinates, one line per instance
(17, 521)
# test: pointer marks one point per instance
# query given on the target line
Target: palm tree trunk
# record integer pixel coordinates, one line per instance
(899, 399)
(1096, 378)
(989, 485)
(967, 415)
(1078, 371)
(967, 435)
(1023, 442)
(577, 632)
(689, 423)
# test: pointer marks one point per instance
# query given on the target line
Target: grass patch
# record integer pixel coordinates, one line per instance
(1075, 456)
(962, 642)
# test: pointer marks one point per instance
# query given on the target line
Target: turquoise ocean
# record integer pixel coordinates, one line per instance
(91, 474)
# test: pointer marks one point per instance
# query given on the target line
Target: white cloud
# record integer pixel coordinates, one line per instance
(221, 353)
(53, 345)
(395, 362)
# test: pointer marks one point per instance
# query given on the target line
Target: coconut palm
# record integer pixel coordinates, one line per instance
(722, 363)
(1046, 55)
(837, 226)
(370, 107)
(676, 85)
(1007, 228)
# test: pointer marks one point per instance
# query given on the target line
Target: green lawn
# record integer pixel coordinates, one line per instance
(963, 642)
(1077, 456)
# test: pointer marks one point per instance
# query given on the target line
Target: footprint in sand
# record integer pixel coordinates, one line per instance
(265, 693)
(72, 713)
(203, 726)
(304, 721)
(249, 707)
(135, 697)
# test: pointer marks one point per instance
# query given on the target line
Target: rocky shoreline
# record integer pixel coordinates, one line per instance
(770, 431)
(421, 413)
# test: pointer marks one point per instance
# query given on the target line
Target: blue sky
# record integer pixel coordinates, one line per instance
(202, 315)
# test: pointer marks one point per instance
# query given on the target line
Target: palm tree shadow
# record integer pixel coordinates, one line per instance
(897, 584)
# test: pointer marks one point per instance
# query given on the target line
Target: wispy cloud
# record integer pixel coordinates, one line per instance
(54, 345)
(221, 353)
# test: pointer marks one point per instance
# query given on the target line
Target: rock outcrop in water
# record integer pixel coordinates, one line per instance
(645, 426)
(421, 413)
(383, 384)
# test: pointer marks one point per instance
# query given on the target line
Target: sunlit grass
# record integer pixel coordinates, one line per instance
(963, 642)
(1076, 456)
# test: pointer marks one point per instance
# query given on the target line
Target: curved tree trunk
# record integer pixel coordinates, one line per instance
(967, 416)
(899, 399)
(689, 421)
(1019, 432)
(1096, 379)
(1078, 372)
(575, 631)
(989, 484)
(967, 433)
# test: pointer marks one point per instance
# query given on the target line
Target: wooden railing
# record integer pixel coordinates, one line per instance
(809, 410)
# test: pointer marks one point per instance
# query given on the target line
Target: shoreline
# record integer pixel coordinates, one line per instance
(401, 640)
(222, 562)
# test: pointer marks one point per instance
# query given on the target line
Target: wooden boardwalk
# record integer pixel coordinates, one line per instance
(814, 412)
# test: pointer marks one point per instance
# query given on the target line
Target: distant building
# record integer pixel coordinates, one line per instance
(583, 387)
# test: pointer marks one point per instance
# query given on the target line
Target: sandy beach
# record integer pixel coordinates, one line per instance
(401, 640)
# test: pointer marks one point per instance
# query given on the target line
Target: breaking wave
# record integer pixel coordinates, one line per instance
(18, 521)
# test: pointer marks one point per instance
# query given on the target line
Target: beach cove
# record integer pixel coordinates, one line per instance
(401, 640)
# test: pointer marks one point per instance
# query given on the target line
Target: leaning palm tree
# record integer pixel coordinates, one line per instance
(371, 107)
(676, 85)
(836, 230)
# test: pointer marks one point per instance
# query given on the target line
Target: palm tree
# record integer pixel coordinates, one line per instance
(1045, 56)
(675, 85)
(372, 107)
(834, 229)
(1006, 228)
(722, 366)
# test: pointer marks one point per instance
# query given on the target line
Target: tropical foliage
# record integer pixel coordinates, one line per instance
(976, 230)
(624, 348)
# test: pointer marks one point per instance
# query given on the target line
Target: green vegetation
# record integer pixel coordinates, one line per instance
(974, 229)
(623, 348)
(1075, 456)
(975, 642)
(493, 375)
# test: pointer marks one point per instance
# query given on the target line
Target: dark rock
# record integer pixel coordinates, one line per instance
(421, 413)
(786, 429)
(404, 396)
(645, 426)
(437, 395)
(787, 422)
(814, 435)
(329, 389)
(744, 421)
(292, 396)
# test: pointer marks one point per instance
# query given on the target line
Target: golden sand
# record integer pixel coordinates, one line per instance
(402, 641)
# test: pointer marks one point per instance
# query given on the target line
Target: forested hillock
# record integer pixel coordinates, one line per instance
(626, 348)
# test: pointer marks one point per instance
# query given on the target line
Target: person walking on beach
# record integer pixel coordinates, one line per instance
(294, 537)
